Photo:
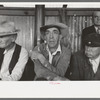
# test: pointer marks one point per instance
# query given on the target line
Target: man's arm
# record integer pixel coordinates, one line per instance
(44, 68)
(44, 72)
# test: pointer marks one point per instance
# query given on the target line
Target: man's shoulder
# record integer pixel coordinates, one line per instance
(40, 47)
(88, 28)
(23, 50)
(66, 50)
(79, 54)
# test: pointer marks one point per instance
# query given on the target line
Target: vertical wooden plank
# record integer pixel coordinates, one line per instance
(63, 14)
(39, 21)
(77, 32)
(32, 32)
(80, 31)
(73, 33)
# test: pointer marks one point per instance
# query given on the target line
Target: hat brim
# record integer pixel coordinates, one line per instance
(62, 27)
(9, 33)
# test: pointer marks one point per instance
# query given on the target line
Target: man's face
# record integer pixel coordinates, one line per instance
(96, 18)
(52, 37)
(92, 52)
(6, 41)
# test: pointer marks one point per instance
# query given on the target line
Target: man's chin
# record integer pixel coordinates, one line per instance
(2, 47)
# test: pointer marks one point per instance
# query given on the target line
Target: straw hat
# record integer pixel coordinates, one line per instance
(8, 28)
(62, 27)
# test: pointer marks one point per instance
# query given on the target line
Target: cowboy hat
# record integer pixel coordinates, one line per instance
(7, 28)
(62, 27)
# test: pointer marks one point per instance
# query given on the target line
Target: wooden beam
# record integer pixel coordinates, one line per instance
(14, 11)
(39, 21)
(63, 14)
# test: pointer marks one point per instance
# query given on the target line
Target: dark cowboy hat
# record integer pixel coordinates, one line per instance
(7, 28)
(92, 40)
(62, 28)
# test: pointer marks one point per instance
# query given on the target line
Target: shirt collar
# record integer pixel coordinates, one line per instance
(96, 28)
(57, 50)
(9, 50)
(97, 60)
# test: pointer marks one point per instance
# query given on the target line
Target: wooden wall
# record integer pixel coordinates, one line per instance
(24, 19)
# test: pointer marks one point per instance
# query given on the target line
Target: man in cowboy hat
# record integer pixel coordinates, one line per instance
(86, 65)
(52, 57)
(13, 57)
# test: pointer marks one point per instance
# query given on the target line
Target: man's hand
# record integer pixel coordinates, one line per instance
(39, 56)
(58, 78)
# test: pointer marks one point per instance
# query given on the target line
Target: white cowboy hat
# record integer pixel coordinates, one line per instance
(8, 28)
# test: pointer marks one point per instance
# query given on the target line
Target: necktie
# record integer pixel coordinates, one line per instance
(55, 57)
(98, 30)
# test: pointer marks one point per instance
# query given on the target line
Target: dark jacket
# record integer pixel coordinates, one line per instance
(81, 68)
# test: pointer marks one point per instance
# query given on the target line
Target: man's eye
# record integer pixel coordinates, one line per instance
(56, 32)
(95, 16)
(1, 36)
(46, 33)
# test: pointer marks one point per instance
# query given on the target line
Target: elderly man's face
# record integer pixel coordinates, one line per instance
(52, 37)
(92, 52)
(96, 18)
(6, 41)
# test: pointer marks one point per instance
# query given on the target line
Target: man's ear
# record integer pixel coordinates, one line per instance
(60, 37)
(44, 38)
(14, 38)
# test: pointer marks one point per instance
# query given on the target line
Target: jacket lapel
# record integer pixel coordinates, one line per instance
(88, 72)
(97, 75)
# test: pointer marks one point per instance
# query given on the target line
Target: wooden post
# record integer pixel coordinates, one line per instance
(63, 14)
(39, 21)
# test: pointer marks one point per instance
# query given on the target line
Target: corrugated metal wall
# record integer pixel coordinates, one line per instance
(76, 24)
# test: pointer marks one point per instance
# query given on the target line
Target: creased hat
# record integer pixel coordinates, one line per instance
(62, 27)
(8, 28)
(92, 40)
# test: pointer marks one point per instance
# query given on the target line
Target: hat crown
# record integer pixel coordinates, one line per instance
(7, 27)
(62, 27)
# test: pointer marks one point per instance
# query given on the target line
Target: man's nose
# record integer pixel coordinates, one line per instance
(89, 49)
(98, 18)
(51, 35)
(0, 40)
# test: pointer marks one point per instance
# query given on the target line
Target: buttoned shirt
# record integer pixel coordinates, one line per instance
(54, 53)
(95, 63)
(97, 30)
(19, 67)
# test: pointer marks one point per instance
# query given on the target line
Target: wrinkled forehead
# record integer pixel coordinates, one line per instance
(53, 29)
(96, 13)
